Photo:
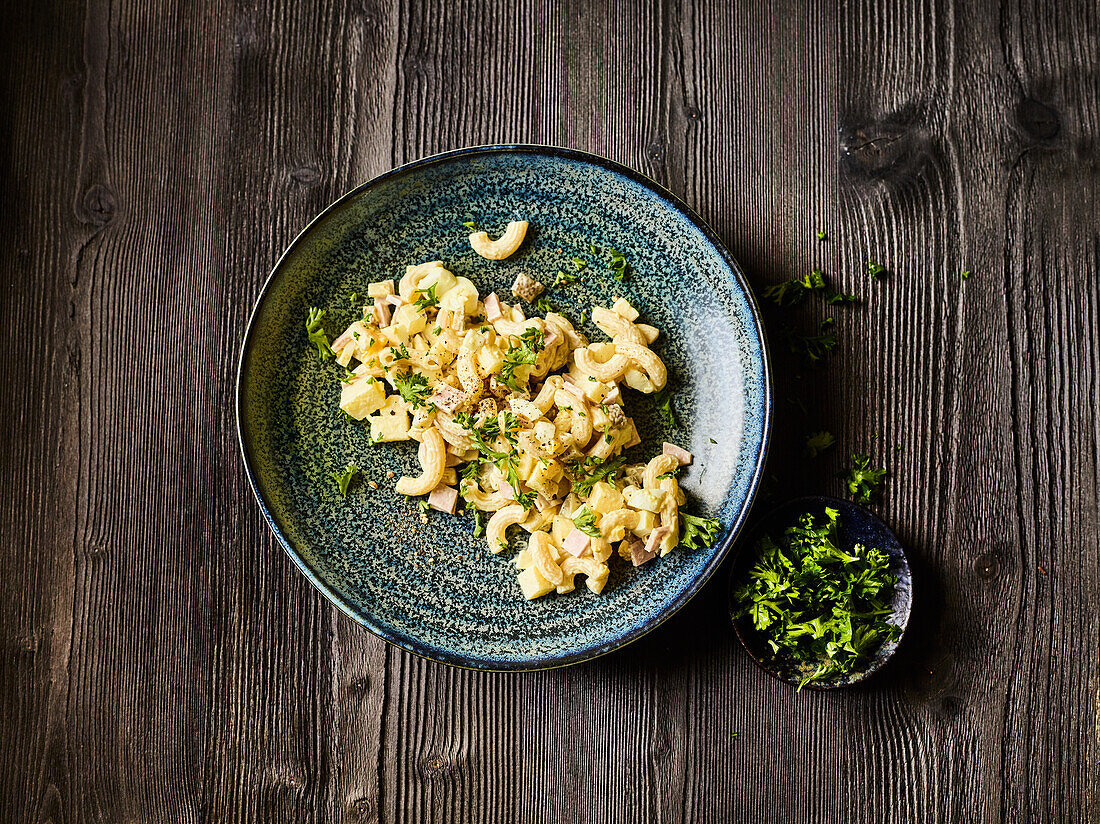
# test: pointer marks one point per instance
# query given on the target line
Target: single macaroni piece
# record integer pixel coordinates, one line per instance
(521, 418)
(504, 245)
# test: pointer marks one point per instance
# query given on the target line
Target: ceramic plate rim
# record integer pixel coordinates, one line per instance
(414, 645)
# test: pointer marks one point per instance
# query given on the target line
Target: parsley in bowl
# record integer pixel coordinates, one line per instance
(823, 594)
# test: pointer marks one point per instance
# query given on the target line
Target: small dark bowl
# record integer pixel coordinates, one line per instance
(857, 525)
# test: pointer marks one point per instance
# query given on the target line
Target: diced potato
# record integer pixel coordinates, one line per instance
(362, 397)
(344, 356)
(595, 391)
(561, 529)
(392, 421)
(545, 478)
(525, 466)
(409, 319)
(461, 298)
(605, 498)
(490, 359)
(525, 409)
(649, 500)
(647, 521)
(623, 309)
(439, 277)
(637, 379)
(602, 352)
(533, 585)
(380, 289)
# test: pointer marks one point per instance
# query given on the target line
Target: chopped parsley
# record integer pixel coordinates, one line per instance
(832, 297)
(820, 235)
(316, 333)
(523, 353)
(875, 270)
(818, 442)
(401, 352)
(713, 441)
(864, 482)
(423, 506)
(818, 610)
(412, 386)
(586, 473)
(354, 297)
(473, 227)
(618, 265)
(579, 264)
(966, 275)
(585, 521)
(793, 292)
(563, 278)
(479, 527)
(663, 399)
(810, 348)
(483, 437)
(698, 532)
(544, 305)
(348, 376)
(344, 478)
(427, 298)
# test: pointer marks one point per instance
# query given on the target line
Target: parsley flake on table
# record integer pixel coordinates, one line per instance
(818, 442)
(344, 478)
(864, 481)
(810, 348)
(563, 278)
(966, 275)
(316, 333)
(819, 611)
(875, 270)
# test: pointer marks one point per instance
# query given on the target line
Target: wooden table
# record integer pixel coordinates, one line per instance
(164, 661)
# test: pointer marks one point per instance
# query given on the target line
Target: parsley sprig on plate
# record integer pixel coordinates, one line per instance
(819, 610)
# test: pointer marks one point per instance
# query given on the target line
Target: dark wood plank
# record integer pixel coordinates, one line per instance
(163, 660)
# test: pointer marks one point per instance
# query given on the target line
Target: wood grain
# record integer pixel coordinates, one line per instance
(164, 661)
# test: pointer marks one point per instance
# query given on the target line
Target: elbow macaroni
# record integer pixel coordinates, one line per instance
(495, 418)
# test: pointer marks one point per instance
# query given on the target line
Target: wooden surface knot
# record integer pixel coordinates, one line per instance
(894, 147)
(987, 565)
(98, 206)
(362, 810)
(307, 175)
(1038, 120)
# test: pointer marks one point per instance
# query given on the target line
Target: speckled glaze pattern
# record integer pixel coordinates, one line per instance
(434, 588)
(857, 526)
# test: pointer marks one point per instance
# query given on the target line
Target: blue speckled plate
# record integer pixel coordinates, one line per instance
(434, 588)
(857, 526)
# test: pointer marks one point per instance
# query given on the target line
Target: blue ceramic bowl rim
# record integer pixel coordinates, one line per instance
(876, 665)
(412, 644)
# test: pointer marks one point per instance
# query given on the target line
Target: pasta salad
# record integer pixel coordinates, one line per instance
(522, 418)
